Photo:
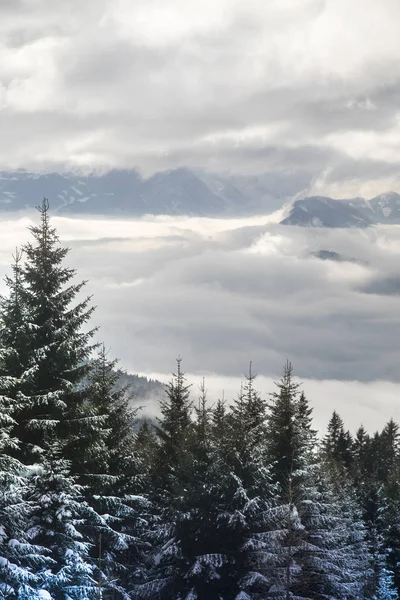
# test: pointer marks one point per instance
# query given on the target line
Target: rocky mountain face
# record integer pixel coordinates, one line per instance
(321, 211)
(126, 192)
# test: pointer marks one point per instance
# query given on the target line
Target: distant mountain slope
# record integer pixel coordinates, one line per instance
(335, 257)
(125, 192)
(386, 208)
(321, 211)
(141, 388)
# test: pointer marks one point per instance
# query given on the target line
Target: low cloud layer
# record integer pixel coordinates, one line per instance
(307, 87)
(222, 293)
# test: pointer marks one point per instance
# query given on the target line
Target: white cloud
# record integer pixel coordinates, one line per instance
(224, 292)
(306, 85)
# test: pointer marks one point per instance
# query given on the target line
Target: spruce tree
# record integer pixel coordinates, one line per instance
(56, 523)
(50, 396)
(247, 513)
(337, 450)
(22, 563)
(108, 454)
(386, 588)
(172, 431)
(169, 478)
(289, 434)
(114, 478)
(322, 552)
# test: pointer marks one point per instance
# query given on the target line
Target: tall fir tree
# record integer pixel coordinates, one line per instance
(247, 513)
(114, 479)
(168, 478)
(22, 563)
(322, 552)
(50, 398)
(337, 447)
(56, 523)
(289, 434)
(172, 431)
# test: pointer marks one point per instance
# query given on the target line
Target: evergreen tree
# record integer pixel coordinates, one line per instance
(14, 335)
(21, 563)
(56, 524)
(322, 552)
(219, 423)
(172, 431)
(389, 477)
(50, 396)
(169, 478)
(145, 449)
(386, 588)
(337, 449)
(248, 513)
(114, 478)
(290, 437)
(108, 455)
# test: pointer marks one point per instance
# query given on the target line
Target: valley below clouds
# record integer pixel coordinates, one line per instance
(221, 293)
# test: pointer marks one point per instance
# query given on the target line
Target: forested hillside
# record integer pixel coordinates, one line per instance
(236, 500)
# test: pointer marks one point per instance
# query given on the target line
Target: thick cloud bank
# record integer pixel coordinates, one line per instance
(307, 87)
(223, 292)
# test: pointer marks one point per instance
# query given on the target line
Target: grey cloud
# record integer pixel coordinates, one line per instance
(389, 286)
(223, 301)
(223, 298)
(221, 98)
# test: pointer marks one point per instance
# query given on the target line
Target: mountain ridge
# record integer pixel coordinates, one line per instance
(125, 191)
(323, 211)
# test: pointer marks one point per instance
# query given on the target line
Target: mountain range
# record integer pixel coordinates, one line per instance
(125, 192)
(185, 191)
(321, 211)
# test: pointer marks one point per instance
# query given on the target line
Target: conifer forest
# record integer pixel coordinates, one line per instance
(239, 499)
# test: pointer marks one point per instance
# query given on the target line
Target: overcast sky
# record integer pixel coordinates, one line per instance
(307, 86)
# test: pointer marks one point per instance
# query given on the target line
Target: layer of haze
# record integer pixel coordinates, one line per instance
(306, 87)
(223, 292)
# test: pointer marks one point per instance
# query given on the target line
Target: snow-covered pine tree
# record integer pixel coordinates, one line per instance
(337, 448)
(47, 354)
(361, 467)
(386, 588)
(247, 516)
(221, 524)
(56, 523)
(172, 432)
(21, 563)
(291, 442)
(388, 474)
(290, 437)
(375, 475)
(169, 478)
(50, 398)
(109, 462)
(322, 551)
(219, 422)
(146, 448)
(196, 537)
(114, 479)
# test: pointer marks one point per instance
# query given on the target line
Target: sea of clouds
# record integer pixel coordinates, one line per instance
(222, 293)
